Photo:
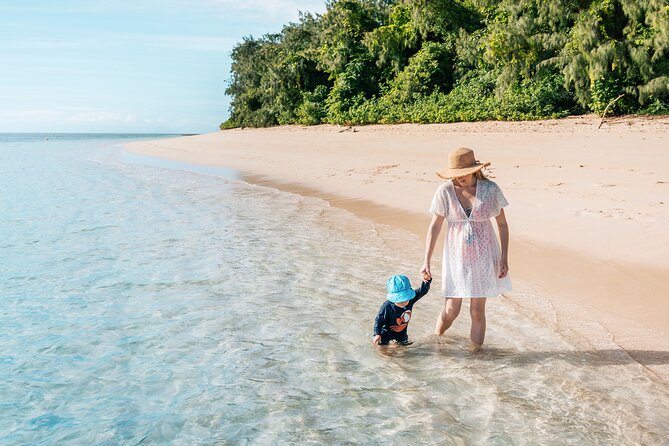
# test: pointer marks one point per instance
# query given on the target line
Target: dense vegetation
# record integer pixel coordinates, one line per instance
(383, 61)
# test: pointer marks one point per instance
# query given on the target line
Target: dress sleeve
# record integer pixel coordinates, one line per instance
(439, 205)
(499, 200)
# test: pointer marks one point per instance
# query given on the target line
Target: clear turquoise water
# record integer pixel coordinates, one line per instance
(143, 304)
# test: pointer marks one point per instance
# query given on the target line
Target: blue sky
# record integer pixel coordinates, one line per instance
(126, 66)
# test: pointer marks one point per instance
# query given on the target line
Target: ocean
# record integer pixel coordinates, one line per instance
(148, 302)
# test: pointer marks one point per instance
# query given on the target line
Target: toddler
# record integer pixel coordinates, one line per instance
(395, 313)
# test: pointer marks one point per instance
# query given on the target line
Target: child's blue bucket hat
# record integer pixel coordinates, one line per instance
(399, 289)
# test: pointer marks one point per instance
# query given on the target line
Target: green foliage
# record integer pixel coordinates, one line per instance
(312, 110)
(436, 20)
(427, 71)
(471, 100)
(341, 31)
(616, 47)
(253, 98)
(392, 44)
(655, 106)
(385, 61)
(352, 87)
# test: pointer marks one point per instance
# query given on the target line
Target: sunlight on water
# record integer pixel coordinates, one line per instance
(144, 305)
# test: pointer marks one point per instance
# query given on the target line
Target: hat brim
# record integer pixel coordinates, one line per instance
(401, 296)
(448, 173)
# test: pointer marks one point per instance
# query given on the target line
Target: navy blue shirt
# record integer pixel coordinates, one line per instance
(392, 321)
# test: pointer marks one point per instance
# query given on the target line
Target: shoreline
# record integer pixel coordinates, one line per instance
(360, 170)
(630, 333)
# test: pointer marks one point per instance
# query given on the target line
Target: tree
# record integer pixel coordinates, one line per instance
(618, 46)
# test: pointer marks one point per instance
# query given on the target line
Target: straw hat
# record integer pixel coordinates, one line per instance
(461, 162)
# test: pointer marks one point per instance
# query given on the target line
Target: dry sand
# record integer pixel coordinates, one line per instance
(589, 210)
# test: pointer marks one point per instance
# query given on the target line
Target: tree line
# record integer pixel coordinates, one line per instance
(424, 61)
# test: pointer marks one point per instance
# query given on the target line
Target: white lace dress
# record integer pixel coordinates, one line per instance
(471, 251)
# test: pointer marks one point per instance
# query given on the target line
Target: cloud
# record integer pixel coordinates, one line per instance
(193, 43)
(48, 44)
(118, 40)
(29, 114)
(276, 9)
(76, 115)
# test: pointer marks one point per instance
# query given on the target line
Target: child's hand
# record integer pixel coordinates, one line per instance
(376, 340)
(426, 276)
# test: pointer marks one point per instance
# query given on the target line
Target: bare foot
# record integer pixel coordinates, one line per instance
(475, 348)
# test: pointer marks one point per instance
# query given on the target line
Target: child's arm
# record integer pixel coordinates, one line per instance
(424, 287)
(379, 322)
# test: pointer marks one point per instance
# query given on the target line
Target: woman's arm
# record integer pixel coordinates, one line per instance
(431, 239)
(503, 227)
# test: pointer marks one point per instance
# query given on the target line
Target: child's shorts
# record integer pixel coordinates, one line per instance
(402, 339)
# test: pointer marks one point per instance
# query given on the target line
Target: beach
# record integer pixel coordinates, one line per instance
(588, 206)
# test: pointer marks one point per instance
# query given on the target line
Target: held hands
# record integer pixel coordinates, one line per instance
(503, 270)
(425, 271)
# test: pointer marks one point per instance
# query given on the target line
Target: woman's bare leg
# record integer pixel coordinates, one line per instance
(448, 314)
(477, 312)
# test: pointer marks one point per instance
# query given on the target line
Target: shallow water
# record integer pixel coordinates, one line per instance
(148, 305)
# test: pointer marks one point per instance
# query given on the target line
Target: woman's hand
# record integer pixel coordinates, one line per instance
(376, 340)
(503, 268)
(503, 227)
(425, 269)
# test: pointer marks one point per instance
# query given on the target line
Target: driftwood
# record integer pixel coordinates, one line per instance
(613, 101)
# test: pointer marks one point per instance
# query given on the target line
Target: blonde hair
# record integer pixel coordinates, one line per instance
(480, 175)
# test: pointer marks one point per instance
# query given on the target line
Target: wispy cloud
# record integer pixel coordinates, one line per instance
(279, 9)
(107, 40)
(47, 44)
(193, 43)
(77, 115)
(283, 9)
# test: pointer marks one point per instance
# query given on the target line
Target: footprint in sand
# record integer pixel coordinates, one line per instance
(593, 212)
(617, 213)
(379, 170)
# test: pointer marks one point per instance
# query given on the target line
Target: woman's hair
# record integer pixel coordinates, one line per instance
(480, 175)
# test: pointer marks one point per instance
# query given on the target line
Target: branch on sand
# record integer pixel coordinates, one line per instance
(607, 109)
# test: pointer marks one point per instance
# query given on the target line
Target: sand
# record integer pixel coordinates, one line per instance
(588, 214)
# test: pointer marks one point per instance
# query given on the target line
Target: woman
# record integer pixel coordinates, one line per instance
(473, 266)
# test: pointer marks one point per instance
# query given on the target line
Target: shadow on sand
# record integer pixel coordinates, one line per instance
(455, 348)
